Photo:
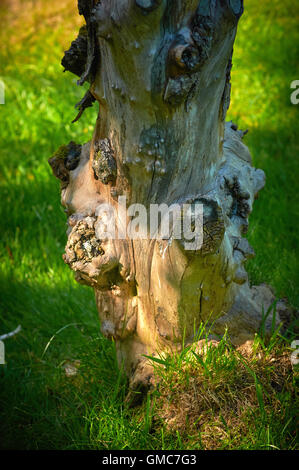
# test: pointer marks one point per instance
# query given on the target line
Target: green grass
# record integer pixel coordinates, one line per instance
(40, 406)
(265, 63)
(226, 398)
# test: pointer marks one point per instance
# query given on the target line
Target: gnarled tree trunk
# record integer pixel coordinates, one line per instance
(160, 71)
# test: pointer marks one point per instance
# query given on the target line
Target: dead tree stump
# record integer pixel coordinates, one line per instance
(160, 71)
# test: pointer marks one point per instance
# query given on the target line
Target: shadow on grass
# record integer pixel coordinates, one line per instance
(41, 406)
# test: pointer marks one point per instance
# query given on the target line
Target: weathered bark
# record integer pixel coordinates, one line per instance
(160, 71)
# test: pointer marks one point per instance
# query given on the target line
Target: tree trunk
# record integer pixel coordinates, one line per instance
(160, 70)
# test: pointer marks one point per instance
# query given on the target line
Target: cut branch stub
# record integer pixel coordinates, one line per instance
(85, 8)
(86, 102)
(74, 59)
(82, 57)
(64, 160)
(213, 226)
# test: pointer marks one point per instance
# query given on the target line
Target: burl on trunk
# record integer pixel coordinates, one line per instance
(160, 71)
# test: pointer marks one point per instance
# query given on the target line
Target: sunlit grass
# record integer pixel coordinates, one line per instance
(265, 63)
(226, 398)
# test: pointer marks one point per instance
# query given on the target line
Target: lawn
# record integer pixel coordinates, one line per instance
(41, 406)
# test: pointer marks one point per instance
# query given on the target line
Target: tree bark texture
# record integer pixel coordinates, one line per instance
(160, 71)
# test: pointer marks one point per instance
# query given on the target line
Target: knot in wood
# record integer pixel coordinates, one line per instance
(74, 59)
(186, 56)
